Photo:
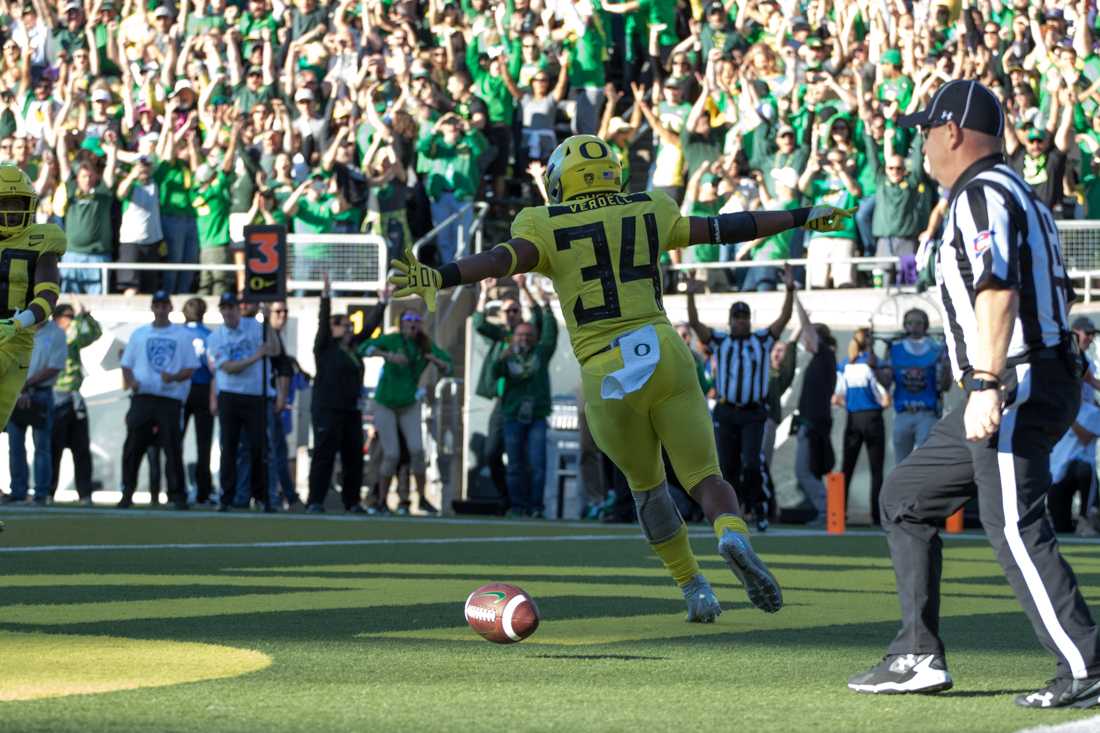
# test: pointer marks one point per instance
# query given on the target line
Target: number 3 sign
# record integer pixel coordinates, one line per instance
(264, 263)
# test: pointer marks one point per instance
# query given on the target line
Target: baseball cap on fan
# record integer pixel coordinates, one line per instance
(969, 104)
(1083, 323)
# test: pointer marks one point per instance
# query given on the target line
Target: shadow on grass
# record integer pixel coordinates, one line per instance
(332, 624)
(601, 657)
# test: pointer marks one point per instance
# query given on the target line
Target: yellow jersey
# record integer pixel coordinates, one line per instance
(18, 259)
(602, 252)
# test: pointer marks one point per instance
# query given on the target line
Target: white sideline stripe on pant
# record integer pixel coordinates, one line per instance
(1088, 725)
(1011, 509)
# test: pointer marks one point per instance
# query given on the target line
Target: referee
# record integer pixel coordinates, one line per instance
(1005, 297)
(741, 381)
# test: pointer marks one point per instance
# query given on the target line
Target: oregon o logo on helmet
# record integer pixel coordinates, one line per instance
(583, 150)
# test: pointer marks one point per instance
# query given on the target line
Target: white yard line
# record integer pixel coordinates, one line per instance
(322, 543)
(1088, 725)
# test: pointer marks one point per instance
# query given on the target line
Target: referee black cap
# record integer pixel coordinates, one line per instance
(967, 103)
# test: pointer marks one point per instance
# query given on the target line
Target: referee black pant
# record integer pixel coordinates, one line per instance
(154, 420)
(865, 428)
(1010, 473)
(740, 438)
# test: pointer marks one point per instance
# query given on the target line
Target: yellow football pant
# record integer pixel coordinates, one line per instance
(14, 360)
(670, 411)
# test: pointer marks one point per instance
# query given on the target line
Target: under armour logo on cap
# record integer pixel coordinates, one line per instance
(967, 103)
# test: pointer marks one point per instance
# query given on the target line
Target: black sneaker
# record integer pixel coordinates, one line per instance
(356, 509)
(315, 509)
(426, 507)
(1064, 693)
(901, 673)
(125, 503)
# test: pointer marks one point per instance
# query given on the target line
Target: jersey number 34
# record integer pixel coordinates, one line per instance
(603, 270)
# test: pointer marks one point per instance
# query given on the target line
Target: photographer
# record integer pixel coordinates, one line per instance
(313, 207)
(858, 390)
(525, 403)
(70, 415)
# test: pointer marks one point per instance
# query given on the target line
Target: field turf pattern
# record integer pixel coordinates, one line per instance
(370, 636)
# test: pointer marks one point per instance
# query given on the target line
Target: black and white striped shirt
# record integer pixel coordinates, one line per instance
(999, 235)
(743, 363)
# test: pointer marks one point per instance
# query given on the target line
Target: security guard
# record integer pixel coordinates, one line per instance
(1006, 297)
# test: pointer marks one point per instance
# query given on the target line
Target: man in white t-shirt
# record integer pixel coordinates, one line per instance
(236, 350)
(141, 237)
(156, 367)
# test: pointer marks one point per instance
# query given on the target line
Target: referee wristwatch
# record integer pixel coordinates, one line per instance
(978, 381)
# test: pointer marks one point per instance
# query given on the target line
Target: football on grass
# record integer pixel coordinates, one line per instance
(502, 613)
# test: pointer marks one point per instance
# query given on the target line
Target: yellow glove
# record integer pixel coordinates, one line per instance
(413, 278)
(828, 218)
(8, 328)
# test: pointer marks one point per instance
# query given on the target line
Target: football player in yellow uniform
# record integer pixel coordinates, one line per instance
(601, 249)
(28, 280)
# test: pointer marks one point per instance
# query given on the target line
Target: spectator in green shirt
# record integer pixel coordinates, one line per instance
(211, 202)
(448, 164)
(313, 207)
(86, 207)
(830, 180)
(174, 177)
(397, 398)
(526, 403)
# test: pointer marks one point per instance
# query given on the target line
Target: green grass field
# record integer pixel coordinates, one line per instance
(358, 626)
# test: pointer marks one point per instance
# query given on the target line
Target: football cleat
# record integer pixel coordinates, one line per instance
(1062, 692)
(703, 606)
(901, 673)
(760, 584)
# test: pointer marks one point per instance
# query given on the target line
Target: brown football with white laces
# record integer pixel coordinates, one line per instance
(502, 613)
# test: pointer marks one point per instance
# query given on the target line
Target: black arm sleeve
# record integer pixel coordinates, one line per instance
(732, 228)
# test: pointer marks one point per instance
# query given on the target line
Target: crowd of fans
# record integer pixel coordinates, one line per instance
(156, 131)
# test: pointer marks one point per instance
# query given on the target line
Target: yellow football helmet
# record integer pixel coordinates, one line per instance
(582, 164)
(18, 201)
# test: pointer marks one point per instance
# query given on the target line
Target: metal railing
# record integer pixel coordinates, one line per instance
(464, 237)
(859, 262)
(1088, 278)
(352, 261)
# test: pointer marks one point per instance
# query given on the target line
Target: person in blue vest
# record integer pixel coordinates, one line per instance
(916, 367)
(858, 390)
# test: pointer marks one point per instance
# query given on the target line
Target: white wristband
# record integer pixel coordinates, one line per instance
(25, 318)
